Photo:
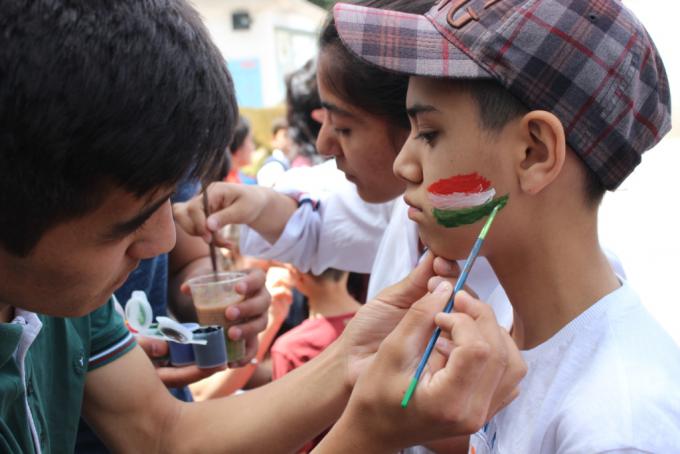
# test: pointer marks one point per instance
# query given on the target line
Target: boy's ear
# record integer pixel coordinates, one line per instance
(544, 153)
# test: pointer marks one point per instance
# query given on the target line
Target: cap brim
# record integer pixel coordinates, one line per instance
(402, 42)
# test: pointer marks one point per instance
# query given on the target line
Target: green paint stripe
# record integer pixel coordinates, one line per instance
(466, 216)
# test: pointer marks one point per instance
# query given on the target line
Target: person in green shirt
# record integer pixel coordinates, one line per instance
(104, 108)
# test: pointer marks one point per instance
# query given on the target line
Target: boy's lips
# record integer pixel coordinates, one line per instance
(414, 211)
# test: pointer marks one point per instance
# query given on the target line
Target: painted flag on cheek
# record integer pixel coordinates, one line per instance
(463, 199)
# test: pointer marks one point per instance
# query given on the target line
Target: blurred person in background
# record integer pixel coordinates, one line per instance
(241, 149)
(304, 114)
(280, 159)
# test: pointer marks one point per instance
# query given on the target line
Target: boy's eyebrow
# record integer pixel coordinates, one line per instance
(124, 228)
(416, 109)
(335, 109)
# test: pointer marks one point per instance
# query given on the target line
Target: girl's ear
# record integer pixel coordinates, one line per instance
(543, 157)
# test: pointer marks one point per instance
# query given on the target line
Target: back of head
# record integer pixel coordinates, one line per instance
(100, 94)
(302, 98)
(330, 275)
(241, 132)
(374, 90)
(592, 64)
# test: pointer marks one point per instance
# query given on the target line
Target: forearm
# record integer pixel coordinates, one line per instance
(277, 210)
(276, 418)
(347, 436)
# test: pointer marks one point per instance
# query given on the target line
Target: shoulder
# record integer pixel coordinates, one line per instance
(626, 394)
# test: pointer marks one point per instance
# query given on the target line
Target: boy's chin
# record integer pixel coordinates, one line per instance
(443, 247)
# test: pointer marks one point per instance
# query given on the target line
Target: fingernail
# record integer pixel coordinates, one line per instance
(447, 265)
(240, 287)
(443, 287)
(233, 313)
(212, 224)
(235, 333)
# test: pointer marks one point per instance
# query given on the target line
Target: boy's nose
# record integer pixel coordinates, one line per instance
(405, 167)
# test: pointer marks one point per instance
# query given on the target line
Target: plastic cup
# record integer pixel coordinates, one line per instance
(212, 294)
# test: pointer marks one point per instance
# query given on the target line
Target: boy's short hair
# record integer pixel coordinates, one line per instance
(592, 64)
(95, 95)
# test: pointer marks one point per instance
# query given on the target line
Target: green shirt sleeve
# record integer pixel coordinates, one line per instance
(109, 338)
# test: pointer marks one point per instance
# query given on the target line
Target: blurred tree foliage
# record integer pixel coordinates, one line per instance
(326, 4)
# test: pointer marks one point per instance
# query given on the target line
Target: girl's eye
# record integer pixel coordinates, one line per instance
(427, 136)
(343, 131)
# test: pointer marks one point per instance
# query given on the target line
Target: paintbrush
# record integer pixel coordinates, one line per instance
(449, 306)
(213, 253)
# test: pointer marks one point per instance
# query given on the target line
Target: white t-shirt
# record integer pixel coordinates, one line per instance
(272, 170)
(609, 381)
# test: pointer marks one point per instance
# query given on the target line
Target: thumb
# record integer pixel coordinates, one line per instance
(416, 328)
(404, 293)
(154, 348)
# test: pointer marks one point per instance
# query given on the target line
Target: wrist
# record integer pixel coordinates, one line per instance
(352, 433)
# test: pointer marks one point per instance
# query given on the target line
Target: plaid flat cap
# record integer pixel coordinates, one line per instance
(589, 62)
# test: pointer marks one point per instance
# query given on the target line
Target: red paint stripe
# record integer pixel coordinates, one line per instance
(468, 184)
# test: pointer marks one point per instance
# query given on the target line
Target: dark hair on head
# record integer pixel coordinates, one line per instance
(302, 98)
(373, 89)
(330, 274)
(100, 94)
(240, 133)
(497, 107)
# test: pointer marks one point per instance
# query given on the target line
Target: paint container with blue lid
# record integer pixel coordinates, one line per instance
(214, 353)
(182, 354)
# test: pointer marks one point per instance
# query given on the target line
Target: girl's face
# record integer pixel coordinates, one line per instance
(364, 145)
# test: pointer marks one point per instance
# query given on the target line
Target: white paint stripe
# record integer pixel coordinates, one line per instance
(458, 200)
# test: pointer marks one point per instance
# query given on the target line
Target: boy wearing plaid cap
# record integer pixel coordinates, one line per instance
(543, 104)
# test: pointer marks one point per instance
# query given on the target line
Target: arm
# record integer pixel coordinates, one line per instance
(344, 232)
(453, 398)
(263, 209)
(138, 415)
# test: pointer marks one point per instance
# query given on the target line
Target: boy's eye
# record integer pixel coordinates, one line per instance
(427, 136)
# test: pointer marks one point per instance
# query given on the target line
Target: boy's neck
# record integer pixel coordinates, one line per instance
(6, 313)
(551, 279)
(330, 302)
